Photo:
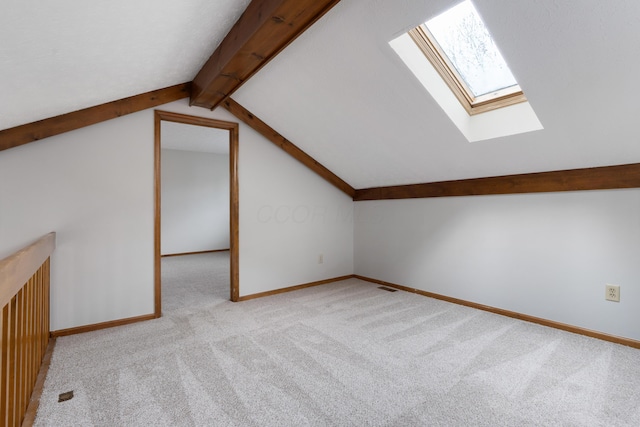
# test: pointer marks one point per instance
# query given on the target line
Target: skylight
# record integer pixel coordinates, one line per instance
(461, 49)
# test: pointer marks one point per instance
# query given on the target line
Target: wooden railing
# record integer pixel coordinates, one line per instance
(24, 324)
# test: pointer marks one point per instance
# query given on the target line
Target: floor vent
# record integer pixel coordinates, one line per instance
(63, 397)
(384, 288)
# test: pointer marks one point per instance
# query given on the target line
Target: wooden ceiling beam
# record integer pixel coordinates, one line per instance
(264, 29)
(289, 147)
(599, 178)
(20, 135)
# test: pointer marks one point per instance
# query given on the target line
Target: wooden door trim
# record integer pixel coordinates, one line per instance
(159, 116)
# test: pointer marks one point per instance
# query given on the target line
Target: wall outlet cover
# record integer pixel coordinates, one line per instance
(612, 293)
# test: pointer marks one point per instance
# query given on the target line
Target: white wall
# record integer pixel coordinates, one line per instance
(545, 255)
(195, 201)
(94, 186)
(288, 215)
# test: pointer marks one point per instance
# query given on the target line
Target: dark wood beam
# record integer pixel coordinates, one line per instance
(264, 29)
(600, 178)
(20, 135)
(289, 147)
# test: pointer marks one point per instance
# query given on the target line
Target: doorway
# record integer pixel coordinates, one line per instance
(232, 129)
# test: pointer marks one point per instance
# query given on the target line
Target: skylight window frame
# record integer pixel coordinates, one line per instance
(473, 105)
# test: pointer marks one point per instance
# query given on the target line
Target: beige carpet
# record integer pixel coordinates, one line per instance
(343, 354)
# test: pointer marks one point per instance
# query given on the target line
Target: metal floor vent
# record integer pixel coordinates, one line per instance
(63, 397)
(384, 288)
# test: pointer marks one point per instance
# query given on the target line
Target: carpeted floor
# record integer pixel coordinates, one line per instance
(343, 354)
(191, 282)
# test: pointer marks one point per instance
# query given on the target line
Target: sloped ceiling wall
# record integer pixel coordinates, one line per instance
(342, 95)
(61, 56)
(339, 91)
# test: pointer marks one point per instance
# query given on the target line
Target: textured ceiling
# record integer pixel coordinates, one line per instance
(339, 91)
(64, 55)
(342, 95)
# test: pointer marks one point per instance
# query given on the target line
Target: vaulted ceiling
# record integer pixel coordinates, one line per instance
(61, 56)
(339, 91)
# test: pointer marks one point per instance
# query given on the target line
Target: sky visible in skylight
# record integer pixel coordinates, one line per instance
(464, 38)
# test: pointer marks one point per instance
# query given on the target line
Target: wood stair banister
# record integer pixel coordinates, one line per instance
(24, 324)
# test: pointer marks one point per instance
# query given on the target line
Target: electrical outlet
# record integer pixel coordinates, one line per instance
(612, 293)
(321, 259)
